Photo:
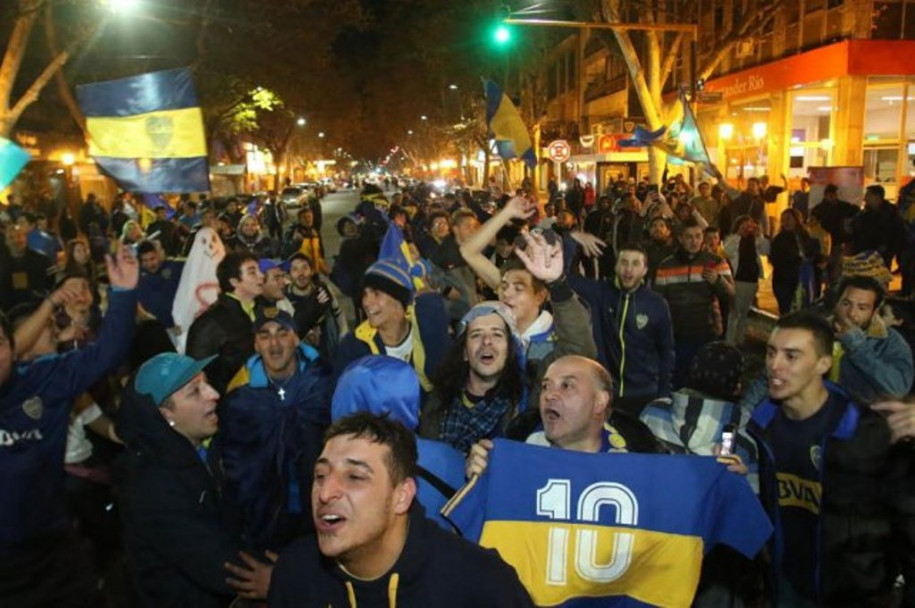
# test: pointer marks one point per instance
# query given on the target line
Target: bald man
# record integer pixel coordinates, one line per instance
(576, 413)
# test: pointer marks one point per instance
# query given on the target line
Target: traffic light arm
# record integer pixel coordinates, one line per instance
(689, 28)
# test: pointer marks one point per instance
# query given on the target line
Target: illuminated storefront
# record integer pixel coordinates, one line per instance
(848, 103)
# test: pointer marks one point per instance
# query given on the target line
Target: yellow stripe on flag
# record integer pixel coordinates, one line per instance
(507, 125)
(663, 568)
(165, 134)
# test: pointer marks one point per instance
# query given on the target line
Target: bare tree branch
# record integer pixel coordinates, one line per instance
(63, 88)
(16, 47)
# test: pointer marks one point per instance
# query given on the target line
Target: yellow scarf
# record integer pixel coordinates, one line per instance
(366, 333)
(311, 246)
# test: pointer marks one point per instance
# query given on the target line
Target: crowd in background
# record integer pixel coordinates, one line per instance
(611, 321)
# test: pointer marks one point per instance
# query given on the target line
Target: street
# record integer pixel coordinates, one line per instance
(335, 206)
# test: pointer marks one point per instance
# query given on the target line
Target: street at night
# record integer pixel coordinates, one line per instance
(418, 303)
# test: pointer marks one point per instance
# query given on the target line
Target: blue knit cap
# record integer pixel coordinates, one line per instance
(390, 278)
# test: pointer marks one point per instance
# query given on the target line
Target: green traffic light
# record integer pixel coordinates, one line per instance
(502, 34)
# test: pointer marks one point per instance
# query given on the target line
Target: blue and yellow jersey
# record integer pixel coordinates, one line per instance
(583, 528)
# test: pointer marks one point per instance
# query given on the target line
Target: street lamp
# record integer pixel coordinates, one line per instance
(410, 132)
(301, 121)
(321, 135)
(453, 87)
(759, 130)
(725, 130)
(424, 117)
(121, 7)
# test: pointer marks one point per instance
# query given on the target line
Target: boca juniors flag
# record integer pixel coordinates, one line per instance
(146, 131)
(607, 529)
(506, 126)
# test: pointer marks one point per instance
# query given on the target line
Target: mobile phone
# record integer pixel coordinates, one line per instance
(727, 440)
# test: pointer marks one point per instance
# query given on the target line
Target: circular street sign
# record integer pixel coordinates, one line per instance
(559, 151)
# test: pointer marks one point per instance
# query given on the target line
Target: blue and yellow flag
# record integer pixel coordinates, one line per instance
(682, 142)
(506, 126)
(607, 529)
(12, 160)
(146, 131)
(686, 138)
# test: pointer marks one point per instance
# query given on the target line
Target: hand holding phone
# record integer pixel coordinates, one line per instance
(727, 440)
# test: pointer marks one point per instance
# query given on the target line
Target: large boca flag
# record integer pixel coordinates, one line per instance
(146, 131)
(506, 126)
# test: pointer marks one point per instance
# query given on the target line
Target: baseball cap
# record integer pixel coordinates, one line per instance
(266, 264)
(265, 314)
(165, 373)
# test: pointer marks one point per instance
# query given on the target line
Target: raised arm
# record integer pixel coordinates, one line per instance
(472, 249)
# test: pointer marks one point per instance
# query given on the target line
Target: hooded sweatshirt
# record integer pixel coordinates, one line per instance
(384, 385)
(176, 545)
(435, 568)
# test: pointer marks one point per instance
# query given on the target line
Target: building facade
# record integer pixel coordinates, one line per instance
(825, 83)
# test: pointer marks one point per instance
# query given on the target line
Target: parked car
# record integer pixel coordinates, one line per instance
(294, 196)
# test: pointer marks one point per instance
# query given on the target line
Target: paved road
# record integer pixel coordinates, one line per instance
(335, 206)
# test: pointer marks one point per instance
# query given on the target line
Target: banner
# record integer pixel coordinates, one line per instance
(850, 181)
(146, 131)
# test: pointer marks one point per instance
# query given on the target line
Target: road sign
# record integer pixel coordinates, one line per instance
(559, 151)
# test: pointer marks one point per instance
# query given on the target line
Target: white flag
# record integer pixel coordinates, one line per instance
(198, 287)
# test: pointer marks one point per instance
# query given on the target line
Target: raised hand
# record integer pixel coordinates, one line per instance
(901, 418)
(542, 259)
(590, 244)
(123, 269)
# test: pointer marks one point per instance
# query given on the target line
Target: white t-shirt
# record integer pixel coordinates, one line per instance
(79, 448)
(404, 350)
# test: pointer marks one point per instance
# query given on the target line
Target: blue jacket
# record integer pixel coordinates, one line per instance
(156, 291)
(34, 415)
(634, 336)
(432, 321)
(269, 442)
(876, 364)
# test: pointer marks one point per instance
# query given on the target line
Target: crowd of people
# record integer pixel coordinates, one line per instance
(311, 429)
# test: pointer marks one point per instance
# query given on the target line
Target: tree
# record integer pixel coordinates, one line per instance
(24, 15)
(650, 56)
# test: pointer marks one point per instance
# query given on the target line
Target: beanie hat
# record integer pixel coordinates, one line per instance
(866, 264)
(716, 370)
(388, 277)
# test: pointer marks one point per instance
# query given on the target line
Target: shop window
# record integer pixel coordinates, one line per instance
(880, 165)
(882, 113)
(887, 155)
(745, 139)
(810, 142)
